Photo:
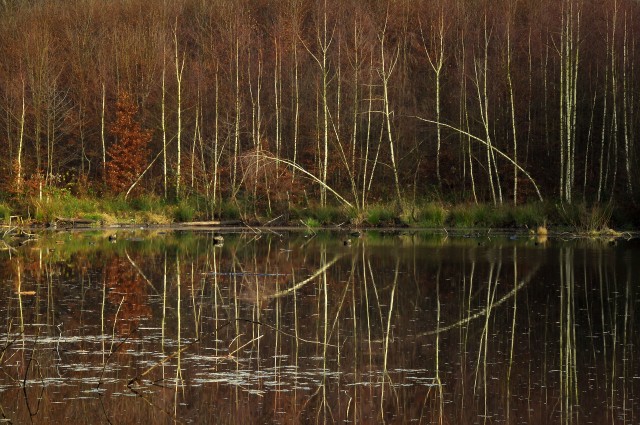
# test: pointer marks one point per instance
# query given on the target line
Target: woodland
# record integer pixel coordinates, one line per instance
(268, 107)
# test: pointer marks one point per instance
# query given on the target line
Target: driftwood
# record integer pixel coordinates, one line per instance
(74, 221)
(213, 223)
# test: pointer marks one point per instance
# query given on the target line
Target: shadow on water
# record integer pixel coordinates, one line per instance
(188, 327)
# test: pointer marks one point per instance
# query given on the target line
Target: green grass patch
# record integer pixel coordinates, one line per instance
(327, 215)
(60, 203)
(530, 215)
(584, 218)
(431, 215)
(5, 213)
(229, 211)
(380, 214)
(462, 216)
(184, 211)
(148, 203)
(311, 222)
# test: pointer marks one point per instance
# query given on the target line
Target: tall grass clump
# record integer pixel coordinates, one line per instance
(57, 203)
(529, 215)
(462, 216)
(114, 205)
(328, 214)
(5, 213)
(378, 215)
(228, 211)
(148, 203)
(586, 219)
(311, 222)
(185, 211)
(431, 215)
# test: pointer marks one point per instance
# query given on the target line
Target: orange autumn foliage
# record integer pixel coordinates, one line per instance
(128, 156)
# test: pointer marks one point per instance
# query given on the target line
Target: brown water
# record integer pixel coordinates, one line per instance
(300, 328)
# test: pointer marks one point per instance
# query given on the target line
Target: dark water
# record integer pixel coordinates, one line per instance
(297, 328)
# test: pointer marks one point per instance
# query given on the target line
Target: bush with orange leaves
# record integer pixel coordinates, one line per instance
(128, 156)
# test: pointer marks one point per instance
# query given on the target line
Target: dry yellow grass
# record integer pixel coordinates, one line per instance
(542, 231)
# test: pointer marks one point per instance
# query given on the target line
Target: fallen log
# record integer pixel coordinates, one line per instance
(212, 223)
(74, 221)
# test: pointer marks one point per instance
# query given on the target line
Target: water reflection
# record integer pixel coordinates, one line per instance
(290, 328)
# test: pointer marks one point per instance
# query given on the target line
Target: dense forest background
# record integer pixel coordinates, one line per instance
(274, 101)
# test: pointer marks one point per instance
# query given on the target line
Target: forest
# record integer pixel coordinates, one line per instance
(266, 107)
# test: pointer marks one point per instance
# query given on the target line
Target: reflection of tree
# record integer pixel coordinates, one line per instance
(123, 281)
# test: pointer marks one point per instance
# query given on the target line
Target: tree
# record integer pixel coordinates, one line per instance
(128, 156)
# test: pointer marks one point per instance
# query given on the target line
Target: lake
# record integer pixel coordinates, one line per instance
(280, 326)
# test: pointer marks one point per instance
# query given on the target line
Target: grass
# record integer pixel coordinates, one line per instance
(5, 213)
(185, 211)
(328, 215)
(152, 209)
(430, 215)
(586, 219)
(379, 215)
(311, 222)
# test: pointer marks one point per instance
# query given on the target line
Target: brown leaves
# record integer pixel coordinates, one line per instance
(128, 156)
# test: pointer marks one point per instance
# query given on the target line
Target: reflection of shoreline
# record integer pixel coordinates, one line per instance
(284, 367)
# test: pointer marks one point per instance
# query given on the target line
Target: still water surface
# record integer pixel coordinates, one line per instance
(291, 327)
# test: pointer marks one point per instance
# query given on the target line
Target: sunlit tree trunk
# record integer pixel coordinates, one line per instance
(163, 124)
(603, 132)
(614, 100)
(296, 117)
(216, 158)
(481, 77)
(569, 57)
(179, 74)
(368, 137)
(196, 130)
(385, 75)
(277, 95)
(236, 134)
(20, 143)
(464, 119)
(626, 110)
(102, 139)
(324, 42)
(436, 60)
(513, 117)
